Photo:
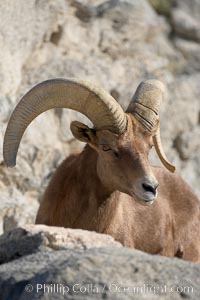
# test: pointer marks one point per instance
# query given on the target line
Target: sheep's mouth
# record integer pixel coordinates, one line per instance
(145, 199)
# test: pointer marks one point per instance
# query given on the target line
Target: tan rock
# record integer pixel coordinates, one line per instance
(30, 238)
(66, 238)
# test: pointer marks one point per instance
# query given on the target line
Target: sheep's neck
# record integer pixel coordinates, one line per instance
(96, 208)
(88, 176)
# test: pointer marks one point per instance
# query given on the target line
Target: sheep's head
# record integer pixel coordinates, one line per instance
(122, 160)
(122, 140)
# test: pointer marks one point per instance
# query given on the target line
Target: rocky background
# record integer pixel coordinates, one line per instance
(114, 44)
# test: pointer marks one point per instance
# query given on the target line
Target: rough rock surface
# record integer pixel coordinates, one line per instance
(27, 239)
(185, 18)
(112, 43)
(99, 270)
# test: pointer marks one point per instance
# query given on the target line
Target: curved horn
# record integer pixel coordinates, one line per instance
(161, 154)
(145, 106)
(95, 103)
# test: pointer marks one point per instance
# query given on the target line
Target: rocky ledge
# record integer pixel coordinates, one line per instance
(41, 262)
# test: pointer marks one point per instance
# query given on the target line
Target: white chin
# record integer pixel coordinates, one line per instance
(147, 203)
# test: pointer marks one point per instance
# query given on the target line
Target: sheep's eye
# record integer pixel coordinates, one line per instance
(106, 148)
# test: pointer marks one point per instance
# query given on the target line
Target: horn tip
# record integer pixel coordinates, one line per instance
(9, 163)
(172, 168)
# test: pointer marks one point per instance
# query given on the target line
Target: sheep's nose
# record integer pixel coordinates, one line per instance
(152, 188)
(145, 188)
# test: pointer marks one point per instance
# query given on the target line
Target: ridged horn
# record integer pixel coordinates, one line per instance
(100, 107)
(145, 106)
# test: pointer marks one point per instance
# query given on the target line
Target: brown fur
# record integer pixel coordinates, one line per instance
(92, 190)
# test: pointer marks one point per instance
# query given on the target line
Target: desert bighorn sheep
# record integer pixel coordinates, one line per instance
(103, 187)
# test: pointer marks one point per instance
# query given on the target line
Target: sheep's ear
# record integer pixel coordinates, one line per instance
(82, 132)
